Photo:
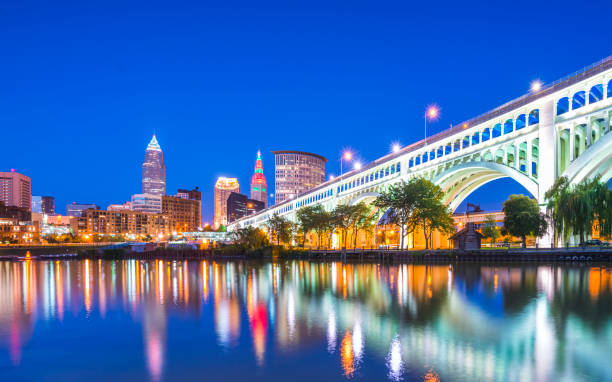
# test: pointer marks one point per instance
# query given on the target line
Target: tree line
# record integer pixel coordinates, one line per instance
(410, 205)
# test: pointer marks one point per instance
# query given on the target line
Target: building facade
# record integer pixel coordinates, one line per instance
(147, 203)
(194, 194)
(127, 206)
(259, 187)
(223, 188)
(15, 189)
(122, 223)
(43, 205)
(153, 170)
(239, 206)
(296, 172)
(183, 214)
(76, 209)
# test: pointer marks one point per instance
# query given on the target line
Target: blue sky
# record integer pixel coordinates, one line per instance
(84, 85)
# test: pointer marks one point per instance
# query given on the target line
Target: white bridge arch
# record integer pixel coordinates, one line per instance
(561, 130)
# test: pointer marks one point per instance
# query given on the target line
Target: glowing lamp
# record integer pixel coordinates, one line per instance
(536, 85)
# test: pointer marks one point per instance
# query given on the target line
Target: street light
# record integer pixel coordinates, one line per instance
(357, 165)
(536, 85)
(396, 147)
(431, 113)
(346, 156)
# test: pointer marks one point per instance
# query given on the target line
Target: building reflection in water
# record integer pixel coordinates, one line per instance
(430, 322)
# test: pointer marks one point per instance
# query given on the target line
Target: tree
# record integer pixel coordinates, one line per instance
(433, 214)
(341, 221)
(523, 217)
(557, 207)
(306, 217)
(490, 229)
(280, 228)
(400, 202)
(360, 217)
(416, 203)
(249, 238)
(578, 208)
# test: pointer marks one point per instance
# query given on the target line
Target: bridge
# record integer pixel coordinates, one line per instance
(563, 129)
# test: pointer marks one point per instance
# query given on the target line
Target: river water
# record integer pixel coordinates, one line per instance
(96, 320)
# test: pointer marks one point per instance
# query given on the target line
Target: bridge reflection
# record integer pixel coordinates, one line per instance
(451, 322)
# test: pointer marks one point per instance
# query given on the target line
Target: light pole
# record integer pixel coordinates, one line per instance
(348, 156)
(430, 113)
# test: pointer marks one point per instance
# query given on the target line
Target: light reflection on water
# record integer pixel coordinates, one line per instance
(167, 320)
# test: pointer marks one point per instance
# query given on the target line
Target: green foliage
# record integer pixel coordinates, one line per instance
(416, 203)
(280, 228)
(250, 238)
(490, 229)
(523, 217)
(577, 208)
(314, 218)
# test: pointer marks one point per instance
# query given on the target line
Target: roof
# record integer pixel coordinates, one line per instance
(301, 153)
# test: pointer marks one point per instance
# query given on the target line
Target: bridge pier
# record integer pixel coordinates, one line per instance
(547, 162)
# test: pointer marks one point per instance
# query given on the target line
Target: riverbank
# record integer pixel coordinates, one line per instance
(543, 255)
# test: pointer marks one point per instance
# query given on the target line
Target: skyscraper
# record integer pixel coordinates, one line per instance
(223, 188)
(43, 205)
(296, 172)
(15, 189)
(239, 206)
(153, 170)
(258, 183)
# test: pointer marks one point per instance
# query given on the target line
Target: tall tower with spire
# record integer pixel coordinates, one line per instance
(258, 182)
(153, 170)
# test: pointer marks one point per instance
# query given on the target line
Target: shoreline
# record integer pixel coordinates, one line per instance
(482, 256)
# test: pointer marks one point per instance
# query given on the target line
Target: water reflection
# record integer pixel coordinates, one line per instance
(406, 321)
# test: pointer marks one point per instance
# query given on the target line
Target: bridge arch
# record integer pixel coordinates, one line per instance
(597, 159)
(461, 180)
(366, 197)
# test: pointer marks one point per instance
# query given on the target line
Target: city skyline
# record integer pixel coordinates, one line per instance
(355, 89)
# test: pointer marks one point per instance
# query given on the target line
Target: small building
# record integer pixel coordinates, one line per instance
(467, 239)
(239, 206)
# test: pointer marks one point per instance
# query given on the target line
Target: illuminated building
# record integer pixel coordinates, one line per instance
(239, 205)
(122, 222)
(223, 188)
(127, 206)
(76, 209)
(21, 214)
(55, 224)
(147, 203)
(296, 172)
(194, 194)
(259, 186)
(16, 226)
(153, 170)
(43, 205)
(183, 214)
(15, 189)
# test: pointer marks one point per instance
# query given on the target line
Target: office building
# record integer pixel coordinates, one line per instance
(153, 170)
(15, 189)
(183, 214)
(296, 172)
(239, 206)
(76, 209)
(43, 205)
(194, 194)
(259, 187)
(223, 188)
(123, 223)
(147, 203)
